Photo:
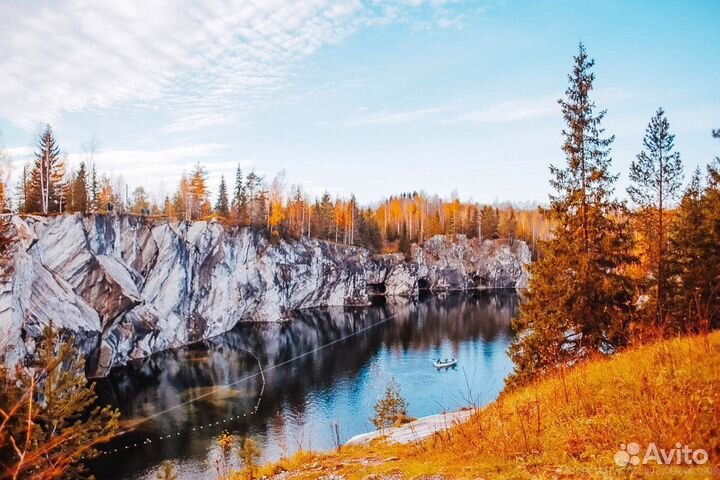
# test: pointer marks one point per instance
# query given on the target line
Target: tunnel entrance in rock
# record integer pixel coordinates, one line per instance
(479, 281)
(377, 288)
(423, 284)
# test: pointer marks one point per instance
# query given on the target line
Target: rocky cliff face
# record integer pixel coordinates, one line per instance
(124, 287)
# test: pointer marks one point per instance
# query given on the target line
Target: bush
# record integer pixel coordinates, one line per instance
(391, 409)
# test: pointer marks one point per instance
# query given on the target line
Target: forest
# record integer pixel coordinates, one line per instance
(48, 185)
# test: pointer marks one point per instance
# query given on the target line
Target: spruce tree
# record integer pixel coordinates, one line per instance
(45, 192)
(656, 178)
(691, 283)
(489, 223)
(579, 300)
(94, 188)
(78, 201)
(222, 207)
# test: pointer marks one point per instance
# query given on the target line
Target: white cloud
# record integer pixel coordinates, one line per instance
(186, 57)
(198, 121)
(502, 112)
(395, 118)
(510, 111)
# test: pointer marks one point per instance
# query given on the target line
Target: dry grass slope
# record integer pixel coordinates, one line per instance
(567, 426)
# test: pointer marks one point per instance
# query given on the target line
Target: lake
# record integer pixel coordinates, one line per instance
(323, 372)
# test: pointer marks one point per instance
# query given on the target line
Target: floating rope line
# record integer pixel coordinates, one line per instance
(219, 388)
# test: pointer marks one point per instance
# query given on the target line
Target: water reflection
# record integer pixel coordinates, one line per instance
(307, 387)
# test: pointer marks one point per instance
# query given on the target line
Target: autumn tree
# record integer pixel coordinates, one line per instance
(508, 228)
(182, 200)
(107, 196)
(140, 201)
(249, 452)
(49, 421)
(579, 299)
(199, 203)
(276, 214)
(222, 206)
(656, 177)
(166, 471)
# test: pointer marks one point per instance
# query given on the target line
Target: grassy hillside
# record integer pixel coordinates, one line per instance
(567, 426)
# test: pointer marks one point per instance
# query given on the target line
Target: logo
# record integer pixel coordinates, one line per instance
(680, 455)
(628, 454)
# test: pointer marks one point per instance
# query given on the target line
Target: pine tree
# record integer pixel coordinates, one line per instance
(656, 178)
(48, 411)
(690, 281)
(222, 207)
(694, 254)
(391, 409)
(94, 188)
(45, 192)
(324, 217)
(78, 195)
(240, 199)
(579, 300)
(255, 201)
(489, 223)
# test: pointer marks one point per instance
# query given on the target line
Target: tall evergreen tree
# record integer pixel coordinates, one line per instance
(78, 195)
(579, 300)
(45, 192)
(691, 282)
(222, 206)
(239, 200)
(489, 223)
(656, 178)
(94, 188)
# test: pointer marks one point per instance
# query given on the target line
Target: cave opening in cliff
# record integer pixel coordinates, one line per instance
(423, 284)
(479, 281)
(376, 288)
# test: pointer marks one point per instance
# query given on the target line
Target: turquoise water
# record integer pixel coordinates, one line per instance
(323, 371)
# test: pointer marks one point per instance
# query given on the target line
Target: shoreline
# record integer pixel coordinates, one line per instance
(416, 430)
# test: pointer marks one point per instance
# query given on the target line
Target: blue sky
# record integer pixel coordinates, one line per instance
(356, 96)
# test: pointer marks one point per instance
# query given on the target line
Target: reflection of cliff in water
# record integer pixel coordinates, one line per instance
(171, 378)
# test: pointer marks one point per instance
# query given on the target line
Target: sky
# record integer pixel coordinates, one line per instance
(367, 97)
